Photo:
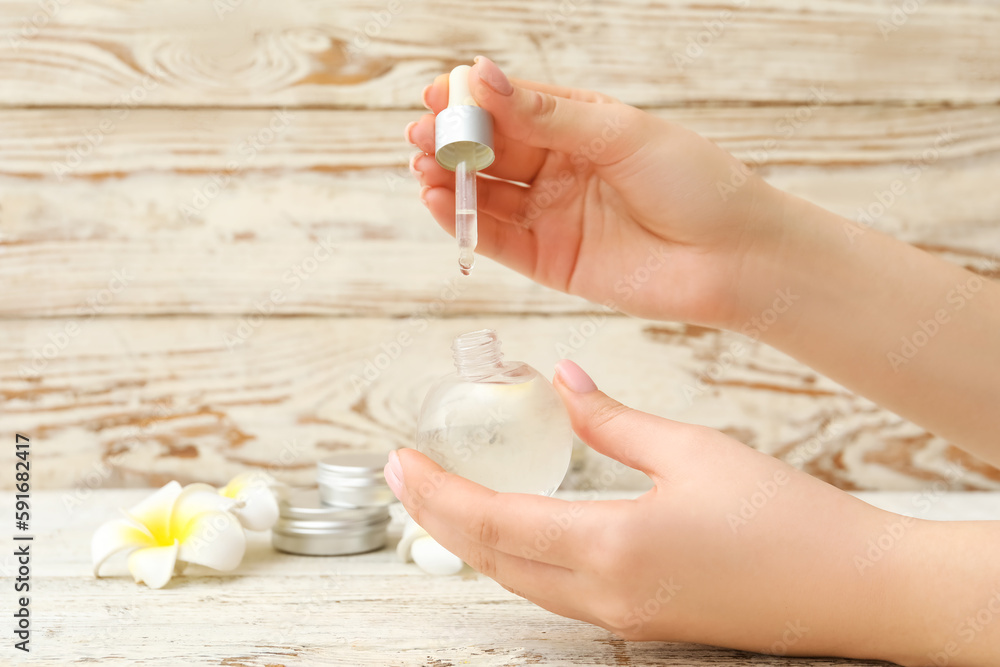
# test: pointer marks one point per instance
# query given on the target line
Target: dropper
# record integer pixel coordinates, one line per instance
(466, 215)
(463, 136)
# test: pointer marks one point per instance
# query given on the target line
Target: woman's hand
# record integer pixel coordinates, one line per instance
(622, 208)
(731, 547)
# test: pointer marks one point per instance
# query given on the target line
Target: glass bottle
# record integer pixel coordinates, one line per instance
(500, 424)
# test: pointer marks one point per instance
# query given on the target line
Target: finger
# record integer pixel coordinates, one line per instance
(435, 95)
(578, 94)
(481, 521)
(509, 243)
(514, 161)
(501, 199)
(420, 133)
(549, 586)
(632, 437)
(562, 606)
(611, 131)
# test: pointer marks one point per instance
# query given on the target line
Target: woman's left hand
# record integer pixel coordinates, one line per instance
(731, 547)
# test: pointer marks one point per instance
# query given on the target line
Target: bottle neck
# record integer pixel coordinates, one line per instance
(477, 354)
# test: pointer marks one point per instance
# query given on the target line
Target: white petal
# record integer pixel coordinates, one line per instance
(434, 558)
(258, 508)
(115, 536)
(154, 512)
(412, 531)
(237, 485)
(196, 499)
(214, 539)
(153, 565)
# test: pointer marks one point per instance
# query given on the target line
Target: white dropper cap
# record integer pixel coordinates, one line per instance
(459, 94)
(463, 131)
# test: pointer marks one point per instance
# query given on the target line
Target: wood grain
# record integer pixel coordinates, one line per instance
(315, 53)
(139, 401)
(146, 198)
(283, 610)
(166, 168)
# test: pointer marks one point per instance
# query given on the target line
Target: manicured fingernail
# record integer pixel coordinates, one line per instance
(394, 474)
(573, 377)
(492, 76)
(423, 194)
(423, 96)
(408, 131)
(413, 164)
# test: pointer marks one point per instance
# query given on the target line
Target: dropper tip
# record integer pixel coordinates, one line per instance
(466, 260)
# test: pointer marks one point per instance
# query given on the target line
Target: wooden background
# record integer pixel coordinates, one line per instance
(140, 227)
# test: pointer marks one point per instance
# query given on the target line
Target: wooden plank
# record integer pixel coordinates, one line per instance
(281, 609)
(315, 53)
(139, 401)
(146, 199)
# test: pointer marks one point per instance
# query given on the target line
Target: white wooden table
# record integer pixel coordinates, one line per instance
(279, 609)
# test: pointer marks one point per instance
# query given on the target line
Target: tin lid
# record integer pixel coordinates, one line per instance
(352, 469)
(301, 510)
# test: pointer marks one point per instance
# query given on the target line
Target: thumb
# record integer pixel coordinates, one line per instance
(600, 132)
(635, 438)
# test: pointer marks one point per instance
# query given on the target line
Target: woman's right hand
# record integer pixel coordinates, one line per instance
(622, 208)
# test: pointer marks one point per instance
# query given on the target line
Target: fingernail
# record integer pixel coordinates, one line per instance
(423, 194)
(492, 76)
(409, 130)
(423, 96)
(394, 474)
(574, 377)
(413, 164)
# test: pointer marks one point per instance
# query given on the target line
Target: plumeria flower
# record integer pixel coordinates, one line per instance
(171, 528)
(255, 506)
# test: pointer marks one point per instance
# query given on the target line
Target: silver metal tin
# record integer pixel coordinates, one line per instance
(462, 130)
(306, 526)
(354, 480)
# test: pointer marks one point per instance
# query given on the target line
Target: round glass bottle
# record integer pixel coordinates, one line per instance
(500, 424)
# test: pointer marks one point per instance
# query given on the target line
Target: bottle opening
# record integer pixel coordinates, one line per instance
(477, 353)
